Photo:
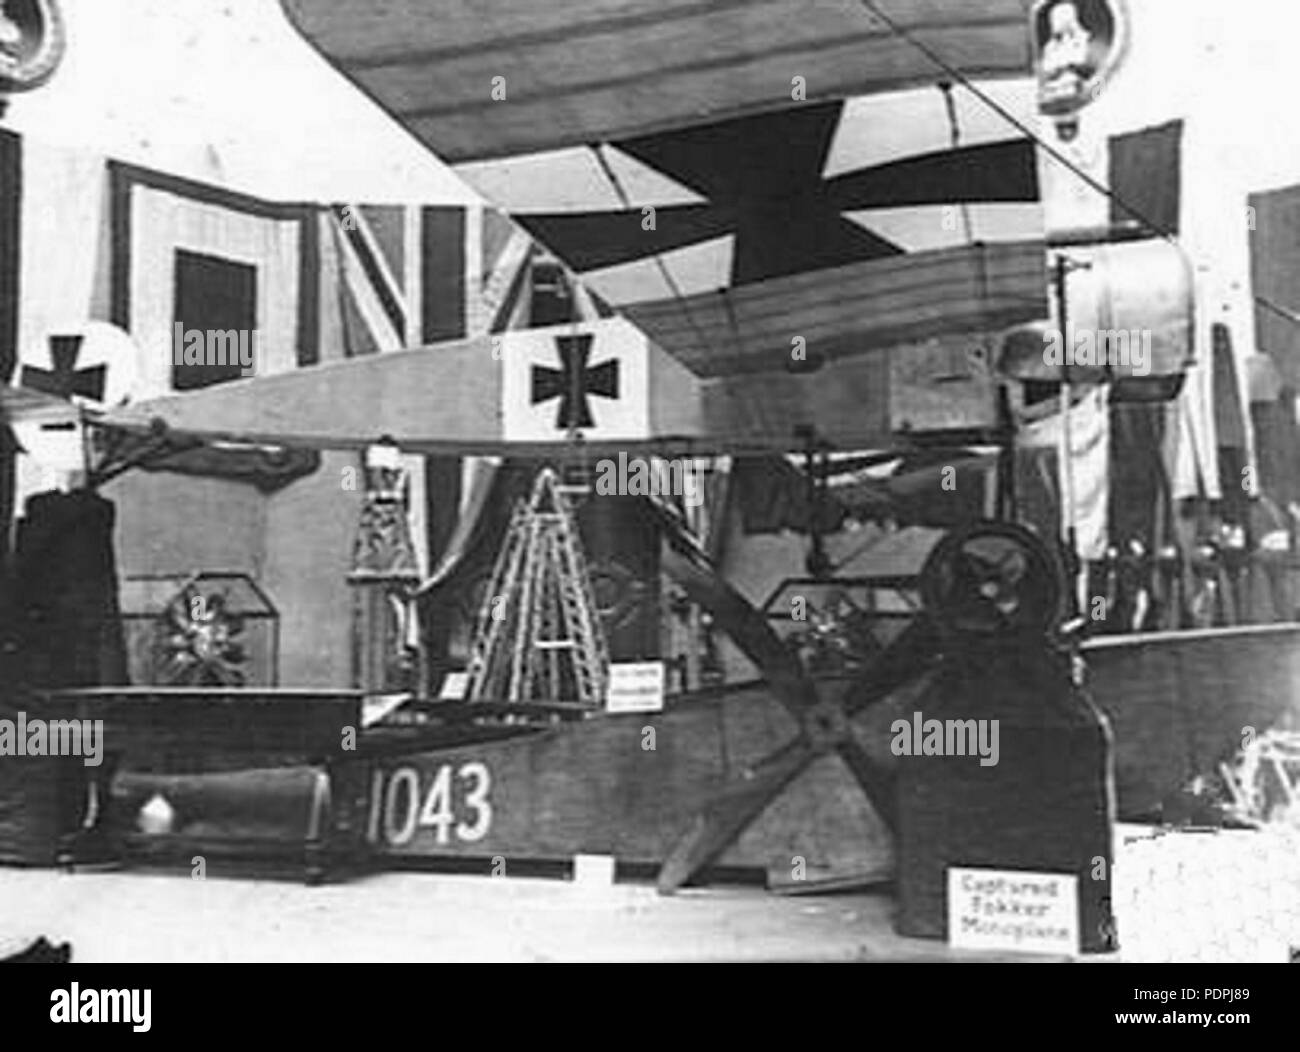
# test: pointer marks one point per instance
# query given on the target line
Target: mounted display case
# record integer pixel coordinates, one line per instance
(205, 629)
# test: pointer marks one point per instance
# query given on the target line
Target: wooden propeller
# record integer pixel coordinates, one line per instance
(989, 578)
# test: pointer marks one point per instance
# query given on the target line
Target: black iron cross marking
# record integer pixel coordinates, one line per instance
(65, 379)
(574, 381)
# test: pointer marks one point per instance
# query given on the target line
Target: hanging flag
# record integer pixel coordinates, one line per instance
(200, 275)
(411, 276)
(1273, 218)
(1141, 169)
(1146, 178)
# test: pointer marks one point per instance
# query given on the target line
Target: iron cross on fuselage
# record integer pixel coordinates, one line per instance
(65, 379)
(573, 382)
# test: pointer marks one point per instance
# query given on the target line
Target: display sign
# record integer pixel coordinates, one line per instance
(1077, 44)
(636, 686)
(454, 687)
(1013, 910)
(594, 870)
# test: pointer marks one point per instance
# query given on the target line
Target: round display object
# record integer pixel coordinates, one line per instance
(992, 580)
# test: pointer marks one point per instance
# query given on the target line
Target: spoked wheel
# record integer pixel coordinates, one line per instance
(992, 580)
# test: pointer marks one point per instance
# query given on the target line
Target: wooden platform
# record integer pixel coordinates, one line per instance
(628, 786)
(596, 787)
(187, 724)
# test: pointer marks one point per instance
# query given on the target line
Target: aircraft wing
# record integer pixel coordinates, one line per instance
(519, 76)
(525, 393)
(22, 405)
(657, 148)
(807, 331)
(519, 392)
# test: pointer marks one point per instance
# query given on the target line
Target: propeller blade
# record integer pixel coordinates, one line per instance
(727, 815)
(906, 658)
(686, 564)
(876, 782)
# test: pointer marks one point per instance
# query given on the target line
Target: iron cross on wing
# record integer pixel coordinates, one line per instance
(574, 381)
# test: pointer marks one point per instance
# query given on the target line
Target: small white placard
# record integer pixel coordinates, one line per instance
(636, 686)
(1017, 910)
(594, 870)
(374, 707)
(454, 687)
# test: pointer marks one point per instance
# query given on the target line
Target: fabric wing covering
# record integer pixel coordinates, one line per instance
(811, 174)
(853, 224)
(593, 72)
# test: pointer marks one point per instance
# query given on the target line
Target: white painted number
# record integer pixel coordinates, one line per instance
(403, 813)
(477, 798)
(376, 801)
(436, 812)
(401, 834)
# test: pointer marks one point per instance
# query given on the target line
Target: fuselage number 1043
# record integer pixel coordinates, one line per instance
(400, 805)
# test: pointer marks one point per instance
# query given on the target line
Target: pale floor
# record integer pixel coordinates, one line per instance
(155, 916)
(1212, 897)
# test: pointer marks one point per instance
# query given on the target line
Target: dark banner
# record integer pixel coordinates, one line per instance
(11, 196)
(1146, 177)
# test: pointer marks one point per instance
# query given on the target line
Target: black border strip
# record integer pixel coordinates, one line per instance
(442, 288)
(309, 279)
(11, 209)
